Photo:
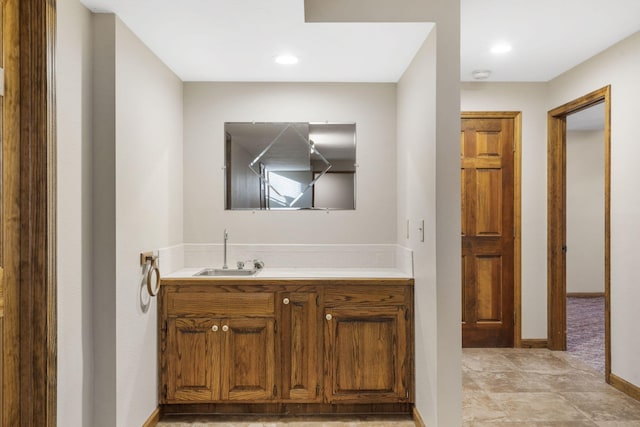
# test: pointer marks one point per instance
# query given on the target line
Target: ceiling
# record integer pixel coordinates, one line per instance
(548, 37)
(218, 40)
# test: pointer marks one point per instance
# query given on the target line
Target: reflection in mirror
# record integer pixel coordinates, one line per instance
(290, 165)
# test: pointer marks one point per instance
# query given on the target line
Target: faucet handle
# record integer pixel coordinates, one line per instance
(240, 265)
(257, 264)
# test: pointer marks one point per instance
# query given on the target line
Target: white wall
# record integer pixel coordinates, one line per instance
(208, 105)
(416, 202)
(138, 207)
(618, 66)
(104, 222)
(440, 355)
(148, 210)
(74, 114)
(531, 100)
(585, 211)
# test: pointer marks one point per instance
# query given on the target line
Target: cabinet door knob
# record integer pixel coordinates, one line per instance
(225, 328)
(214, 328)
(328, 316)
(285, 301)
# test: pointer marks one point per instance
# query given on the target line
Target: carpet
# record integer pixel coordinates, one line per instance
(585, 330)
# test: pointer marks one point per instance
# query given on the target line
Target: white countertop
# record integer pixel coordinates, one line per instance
(302, 273)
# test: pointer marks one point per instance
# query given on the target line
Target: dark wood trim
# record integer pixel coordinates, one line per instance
(607, 231)
(625, 386)
(585, 294)
(38, 338)
(153, 419)
(11, 205)
(417, 418)
(533, 343)
(517, 229)
(287, 408)
(556, 219)
(517, 208)
(556, 223)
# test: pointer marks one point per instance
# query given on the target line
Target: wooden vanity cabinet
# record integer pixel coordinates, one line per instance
(220, 359)
(286, 343)
(219, 346)
(367, 346)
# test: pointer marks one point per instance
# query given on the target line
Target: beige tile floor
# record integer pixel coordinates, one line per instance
(539, 388)
(502, 388)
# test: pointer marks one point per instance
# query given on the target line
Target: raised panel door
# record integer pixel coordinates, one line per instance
(193, 373)
(366, 353)
(487, 232)
(300, 346)
(248, 368)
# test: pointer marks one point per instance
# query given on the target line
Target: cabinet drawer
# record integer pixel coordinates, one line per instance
(220, 304)
(366, 295)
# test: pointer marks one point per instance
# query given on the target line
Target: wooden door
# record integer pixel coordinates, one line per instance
(366, 354)
(488, 232)
(248, 362)
(299, 346)
(193, 364)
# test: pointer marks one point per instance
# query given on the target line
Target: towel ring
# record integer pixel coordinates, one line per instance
(153, 270)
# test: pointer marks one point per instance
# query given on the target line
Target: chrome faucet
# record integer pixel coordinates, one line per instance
(226, 237)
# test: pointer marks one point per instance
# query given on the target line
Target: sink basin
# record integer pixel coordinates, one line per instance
(221, 272)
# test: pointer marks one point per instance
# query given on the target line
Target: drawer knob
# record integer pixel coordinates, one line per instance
(225, 328)
(285, 301)
(328, 316)
(214, 328)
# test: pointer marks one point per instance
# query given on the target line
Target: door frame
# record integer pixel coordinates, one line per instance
(30, 327)
(557, 216)
(517, 209)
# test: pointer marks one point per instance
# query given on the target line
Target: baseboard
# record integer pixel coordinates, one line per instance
(585, 294)
(534, 343)
(625, 386)
(417, 418)
(153, 419)
(288, 408)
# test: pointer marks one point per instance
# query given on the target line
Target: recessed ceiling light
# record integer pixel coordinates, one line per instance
(286, 59)
(481, 74)
(501, 48)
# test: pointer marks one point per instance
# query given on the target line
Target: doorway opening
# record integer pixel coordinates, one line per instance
(561, 208)
(585, 235)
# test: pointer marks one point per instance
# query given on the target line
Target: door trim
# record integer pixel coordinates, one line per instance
(556, 217)
(517, 209)
(38, 305)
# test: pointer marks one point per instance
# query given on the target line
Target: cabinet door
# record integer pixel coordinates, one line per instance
(300, 346)
(248, 364)
(192, 370)
(366, 355)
